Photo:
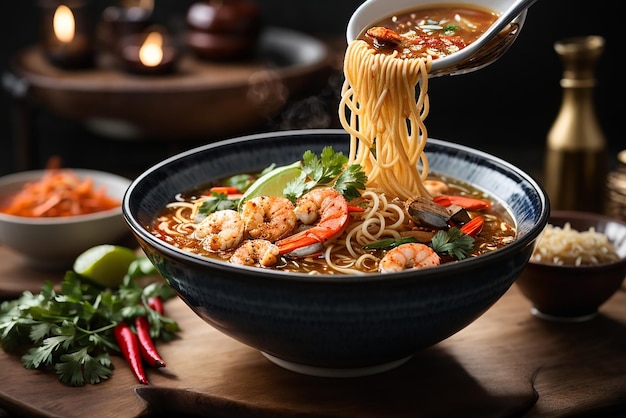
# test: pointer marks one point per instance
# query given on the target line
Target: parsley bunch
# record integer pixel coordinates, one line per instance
(327, 169)
(71, 331)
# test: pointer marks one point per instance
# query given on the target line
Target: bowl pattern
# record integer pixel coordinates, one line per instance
(324, 323)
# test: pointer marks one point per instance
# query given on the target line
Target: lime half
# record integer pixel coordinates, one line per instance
(273, 182)
(105, 264)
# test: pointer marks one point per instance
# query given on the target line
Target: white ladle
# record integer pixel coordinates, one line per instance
(482, 52)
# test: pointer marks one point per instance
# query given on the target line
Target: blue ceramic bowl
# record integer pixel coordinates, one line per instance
(335, 325)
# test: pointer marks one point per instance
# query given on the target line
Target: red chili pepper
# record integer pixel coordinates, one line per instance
(468, 203)
(156, 304)
(352, 208)
(146, 346)
(473, 227)
(129, 346)
(224, 189)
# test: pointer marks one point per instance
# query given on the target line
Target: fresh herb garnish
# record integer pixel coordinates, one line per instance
(389, 243)
(453, 242)
(220, 201)
(71, 332)
(327, 169)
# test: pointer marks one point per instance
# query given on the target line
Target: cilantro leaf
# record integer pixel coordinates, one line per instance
(453, 242)
(351, 181)
(71, 332)
(327, 169)
(219, 202)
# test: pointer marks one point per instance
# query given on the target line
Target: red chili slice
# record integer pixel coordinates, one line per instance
(468, 203)
(473, 227)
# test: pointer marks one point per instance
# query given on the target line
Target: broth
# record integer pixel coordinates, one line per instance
(498, 230)
(437, 31)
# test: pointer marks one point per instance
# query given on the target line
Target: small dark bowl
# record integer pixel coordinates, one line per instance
(575, 293)
(331, 325)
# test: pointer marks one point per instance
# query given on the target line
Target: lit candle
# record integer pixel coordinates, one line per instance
(67, 40)
(151, 53)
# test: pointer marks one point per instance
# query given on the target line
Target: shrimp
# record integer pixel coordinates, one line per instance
(435, 187)
(268, 217)
(324, 205)
(221, 230)
(256, 252)
(406, 256)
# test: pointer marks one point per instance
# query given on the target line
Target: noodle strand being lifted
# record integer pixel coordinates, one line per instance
(385, 120)
(377, 209)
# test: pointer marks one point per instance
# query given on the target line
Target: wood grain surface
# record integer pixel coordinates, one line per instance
(507, 363)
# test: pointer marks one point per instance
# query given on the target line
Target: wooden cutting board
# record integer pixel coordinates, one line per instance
(507, 363)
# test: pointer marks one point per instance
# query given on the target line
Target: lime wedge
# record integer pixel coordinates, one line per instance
(105, 264)
(273, 182)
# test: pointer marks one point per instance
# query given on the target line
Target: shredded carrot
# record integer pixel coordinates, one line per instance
(59, 193)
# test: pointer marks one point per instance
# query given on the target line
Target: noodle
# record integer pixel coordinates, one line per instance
(384, 102)
(385, 122)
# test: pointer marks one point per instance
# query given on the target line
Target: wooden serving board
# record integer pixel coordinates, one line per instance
(507, 363)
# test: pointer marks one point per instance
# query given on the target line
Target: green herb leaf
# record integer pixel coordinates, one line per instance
(71, 332)
(389, 243)
(453, 242)
(329, 169)
(219, 202)
(350, 182)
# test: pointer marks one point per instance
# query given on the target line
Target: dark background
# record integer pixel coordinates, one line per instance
(505, 109)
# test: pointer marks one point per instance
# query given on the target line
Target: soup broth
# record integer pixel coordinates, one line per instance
(177, 223)
(435, 31)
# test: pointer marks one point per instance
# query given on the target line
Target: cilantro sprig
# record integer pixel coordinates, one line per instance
(327, 169)
(71, 331)
(453, 242)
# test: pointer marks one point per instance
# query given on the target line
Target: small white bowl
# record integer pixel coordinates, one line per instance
(56, 242)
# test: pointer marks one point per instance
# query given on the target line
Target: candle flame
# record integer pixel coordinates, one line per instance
(151, 51)
(64, 24)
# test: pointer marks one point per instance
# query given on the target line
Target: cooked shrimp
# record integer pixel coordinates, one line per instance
(435, 187)
(256, 252)
(406, 256)
(268, 217)
(324, 205)
(221, 230)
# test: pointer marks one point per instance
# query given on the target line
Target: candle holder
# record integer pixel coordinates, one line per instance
(119, 23)
(67, 33)
(223, 30)
(150, 53)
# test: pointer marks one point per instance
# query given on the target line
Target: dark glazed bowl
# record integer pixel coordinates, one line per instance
(335, 325)
(571, 293)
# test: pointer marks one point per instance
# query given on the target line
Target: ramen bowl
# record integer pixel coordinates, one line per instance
(54, 242)
(334, 325)
(575, 293)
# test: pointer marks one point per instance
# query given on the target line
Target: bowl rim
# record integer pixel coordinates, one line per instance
(98, 176)
(255, 272)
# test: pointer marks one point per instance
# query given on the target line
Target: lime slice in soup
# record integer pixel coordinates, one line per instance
(105, 264)
(273, 182)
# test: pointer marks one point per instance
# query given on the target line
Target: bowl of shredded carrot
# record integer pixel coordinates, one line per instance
(50, 216)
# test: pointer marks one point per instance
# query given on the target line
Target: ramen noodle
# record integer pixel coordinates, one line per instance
(384, 102)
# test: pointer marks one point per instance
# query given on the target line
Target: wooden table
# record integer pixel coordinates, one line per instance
(507, 363)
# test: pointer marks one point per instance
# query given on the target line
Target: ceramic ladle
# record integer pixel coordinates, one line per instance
(485, 50)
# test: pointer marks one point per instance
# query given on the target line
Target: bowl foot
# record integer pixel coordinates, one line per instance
(336, 372)
(556, 318)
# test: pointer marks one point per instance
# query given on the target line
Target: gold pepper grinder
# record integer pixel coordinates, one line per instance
(576, 157)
